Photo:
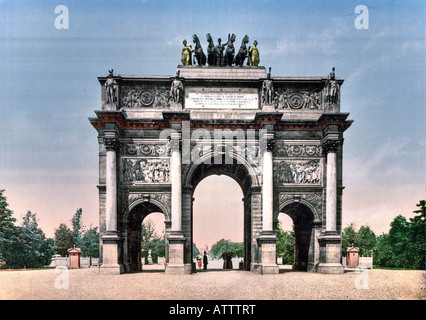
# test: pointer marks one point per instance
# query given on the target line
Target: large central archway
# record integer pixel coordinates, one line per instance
(218, 214)
(231, 166)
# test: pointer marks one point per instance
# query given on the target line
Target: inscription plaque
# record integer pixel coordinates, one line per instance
(221, 100)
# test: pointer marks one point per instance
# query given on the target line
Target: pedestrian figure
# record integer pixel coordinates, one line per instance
(205, 260)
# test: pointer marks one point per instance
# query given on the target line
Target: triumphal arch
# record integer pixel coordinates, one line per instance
(279, 137)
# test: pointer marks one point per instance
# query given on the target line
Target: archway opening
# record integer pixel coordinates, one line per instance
(218, 221)
(145, 243)
(302, 218)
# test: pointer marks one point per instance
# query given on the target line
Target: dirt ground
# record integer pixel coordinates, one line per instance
(89, 284)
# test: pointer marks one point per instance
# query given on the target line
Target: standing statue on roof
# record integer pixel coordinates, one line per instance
(253, 53)
(186, 54)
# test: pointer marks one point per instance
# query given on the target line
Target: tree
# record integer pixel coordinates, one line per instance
(149, 240)
(63, 239)
(349, 237)
(195, 251)
(222, 246)
(417, 245)
(8, 231)
(365, 241)
(90, 243)
(77, 228)
(285, 244)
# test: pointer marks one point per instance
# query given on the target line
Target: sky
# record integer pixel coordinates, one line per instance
(49, 89)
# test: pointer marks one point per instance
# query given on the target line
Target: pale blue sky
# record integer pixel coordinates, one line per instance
(49, 156)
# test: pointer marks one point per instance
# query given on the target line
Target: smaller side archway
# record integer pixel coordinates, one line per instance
(305, 234)
(132, 226)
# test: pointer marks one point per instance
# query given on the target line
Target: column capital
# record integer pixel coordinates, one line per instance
(111, 143)
(176, 142)
(267, 142)
(330, 146)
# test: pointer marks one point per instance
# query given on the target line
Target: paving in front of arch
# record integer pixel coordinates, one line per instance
(88, 284)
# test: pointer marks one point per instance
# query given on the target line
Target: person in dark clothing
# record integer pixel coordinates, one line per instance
(205, 260)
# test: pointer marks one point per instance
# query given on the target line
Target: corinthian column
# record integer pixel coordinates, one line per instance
(111, 146)
(267, 239)
(330, 241)
(176, 240)
(268, 185)
(330, 148)
(111, 245)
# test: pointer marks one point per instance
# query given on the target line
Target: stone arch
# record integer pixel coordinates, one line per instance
(148, 198)
(237, 160)
(296, 199)
(133, 218)
(304, 217)
(244, 174)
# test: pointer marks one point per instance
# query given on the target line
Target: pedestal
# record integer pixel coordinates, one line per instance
(111, 254)
(267, 243)
(176, 253)
(330, 253)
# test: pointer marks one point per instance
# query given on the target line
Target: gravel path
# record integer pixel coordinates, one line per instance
(212, 285)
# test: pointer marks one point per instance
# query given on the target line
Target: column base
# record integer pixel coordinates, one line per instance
(176, 254)
(330, 268)
(330, 243)
(267, 242)
(111, 254)
(111, 269)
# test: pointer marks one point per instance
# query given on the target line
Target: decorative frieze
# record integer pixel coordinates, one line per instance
(298, 172)
(297, 99)
(142, 170)
(145, 149)
(146, 96)
(297, 150)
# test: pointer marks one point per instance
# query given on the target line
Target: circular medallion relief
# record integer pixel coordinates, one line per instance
(296, 101)
(147, 98)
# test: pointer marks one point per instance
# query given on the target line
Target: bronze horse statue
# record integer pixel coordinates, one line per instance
(242, 53)
(198, 52)
(229, 53)
(211, 51)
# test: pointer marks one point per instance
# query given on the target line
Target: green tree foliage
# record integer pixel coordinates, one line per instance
(364, 239)
(63, 239)
(404, 246)
(418, 236)
(285, 244)
(8, 230)
(195, 251)
(150, 240)
(222, 246)
(77, 228)
(90, 243)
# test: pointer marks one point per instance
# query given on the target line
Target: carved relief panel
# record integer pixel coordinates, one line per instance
(144, 162)
(146, 96)
(298, 163)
